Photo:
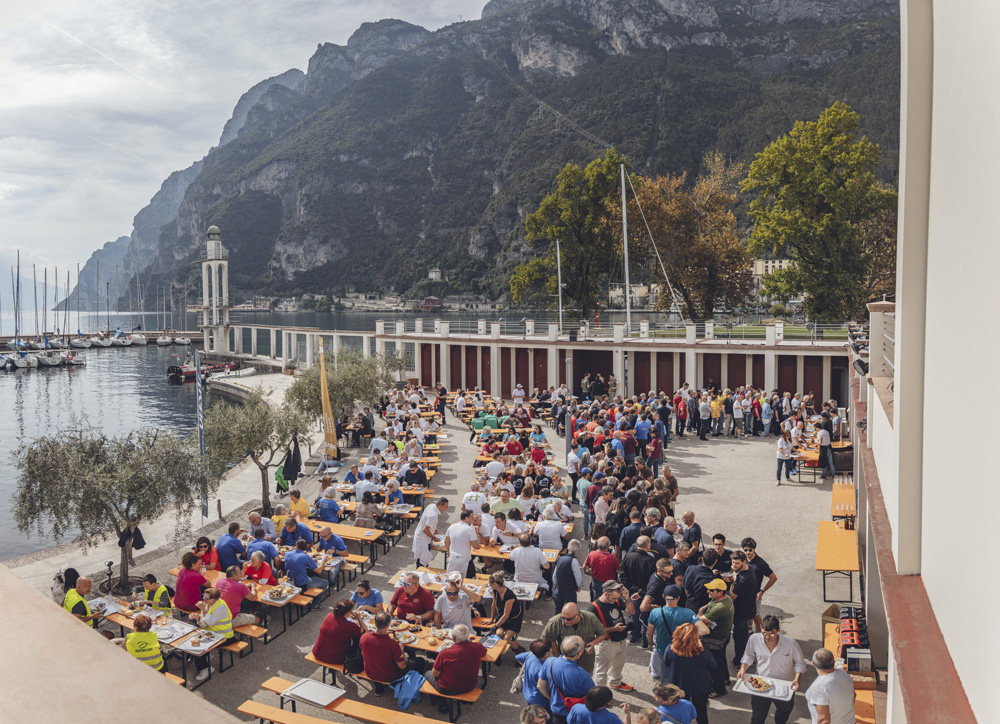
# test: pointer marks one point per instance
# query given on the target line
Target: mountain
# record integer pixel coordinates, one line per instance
(406, 149)
(92, 287)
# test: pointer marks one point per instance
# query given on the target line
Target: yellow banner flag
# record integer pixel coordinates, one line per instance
(329, 429)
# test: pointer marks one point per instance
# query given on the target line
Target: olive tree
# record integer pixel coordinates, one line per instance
(83, 481)
(257, 430)
(354, 380)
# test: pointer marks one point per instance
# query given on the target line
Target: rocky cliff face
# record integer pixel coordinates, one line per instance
(405, 149)
(91, 287)
(289, 80)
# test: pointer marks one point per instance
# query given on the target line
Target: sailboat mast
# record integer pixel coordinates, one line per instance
(34, 279)
(628, 286)
(78, 299)
(118, 300)
(45, 294)
(97, 298)
(107, 301)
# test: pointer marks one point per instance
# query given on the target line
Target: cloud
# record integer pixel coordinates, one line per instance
(101, 100)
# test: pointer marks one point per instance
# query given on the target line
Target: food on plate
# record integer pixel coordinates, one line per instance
(432, 641)
(414, 628)
(758, 684)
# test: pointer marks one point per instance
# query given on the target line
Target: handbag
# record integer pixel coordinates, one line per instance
(518, 683)
(354, 662)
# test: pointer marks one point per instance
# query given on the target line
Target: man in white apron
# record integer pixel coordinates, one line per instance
(458, 542)
(423, 539)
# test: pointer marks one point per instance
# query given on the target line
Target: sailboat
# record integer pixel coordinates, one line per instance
(138, 338)
(55, 342)
(98, 340)
(74, 358)
(79, 341)
(49, 359)
(164, 339)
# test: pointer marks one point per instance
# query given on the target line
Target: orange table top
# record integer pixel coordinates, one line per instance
(842, 502)
(836, 548)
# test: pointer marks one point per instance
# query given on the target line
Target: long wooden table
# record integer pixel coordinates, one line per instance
(837, 554)
(126, 621)
(371, 536)
(843, 502)
(257, 591)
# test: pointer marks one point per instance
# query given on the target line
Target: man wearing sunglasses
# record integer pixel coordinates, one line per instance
(454, 605)
(573, 622)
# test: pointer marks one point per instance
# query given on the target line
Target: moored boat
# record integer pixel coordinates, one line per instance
(50, 359)
(164, 340)
(182, 340)
(139, 340)
(80, 343)
(188, 373)
(98, 341)
(75, 358)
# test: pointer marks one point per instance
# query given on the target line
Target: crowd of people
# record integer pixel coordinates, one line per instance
(653, 578)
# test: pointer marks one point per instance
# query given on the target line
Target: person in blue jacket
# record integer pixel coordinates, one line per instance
(292, 531)
(532, 661)
(594, 708)
(672, 705)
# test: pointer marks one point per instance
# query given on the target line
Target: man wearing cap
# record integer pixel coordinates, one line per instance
(717, 614)
(613, 607)
(518, 395)
(662, 622)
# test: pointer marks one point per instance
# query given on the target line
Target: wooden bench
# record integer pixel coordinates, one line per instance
(454, 700)
(236, 647)
(394, 536)
(299, 606)
(251, 633)
(348, 707)
(174, 678)
(267, 713)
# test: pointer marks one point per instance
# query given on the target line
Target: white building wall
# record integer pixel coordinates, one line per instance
(960, 472)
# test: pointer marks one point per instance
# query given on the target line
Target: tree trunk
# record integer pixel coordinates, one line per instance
(123, 566)
(265, 492)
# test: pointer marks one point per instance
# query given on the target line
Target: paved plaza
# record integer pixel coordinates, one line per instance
(729, 484)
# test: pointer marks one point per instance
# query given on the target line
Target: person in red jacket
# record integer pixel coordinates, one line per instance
(456, 669)
(336, 633)
(680, 412)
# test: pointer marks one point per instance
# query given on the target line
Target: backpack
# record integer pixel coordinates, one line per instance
(354, 663)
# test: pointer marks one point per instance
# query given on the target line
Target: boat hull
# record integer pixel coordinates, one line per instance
(140, 340)
(187, 373)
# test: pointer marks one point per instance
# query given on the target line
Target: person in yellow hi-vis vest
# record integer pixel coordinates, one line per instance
(143, 644)
(214, 616)
(77, 605)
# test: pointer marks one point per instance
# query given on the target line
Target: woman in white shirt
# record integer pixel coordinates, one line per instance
(527, 502)
(785, 456)
(550, 532)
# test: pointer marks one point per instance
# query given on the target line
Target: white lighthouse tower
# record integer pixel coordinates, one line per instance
(215, 293)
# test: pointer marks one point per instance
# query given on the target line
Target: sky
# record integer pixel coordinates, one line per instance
(100, 100)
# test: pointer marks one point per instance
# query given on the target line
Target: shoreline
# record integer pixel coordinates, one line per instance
(238, 493)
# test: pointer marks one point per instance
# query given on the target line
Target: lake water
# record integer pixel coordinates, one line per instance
(119, 390)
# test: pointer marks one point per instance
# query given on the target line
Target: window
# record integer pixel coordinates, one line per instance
(410, 351)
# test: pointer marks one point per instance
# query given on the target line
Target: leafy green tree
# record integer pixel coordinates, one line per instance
(574, 214)
(82, 479)
(534, 283)
(256, 429)
(814, 187)
(694, 233)
(354, 380)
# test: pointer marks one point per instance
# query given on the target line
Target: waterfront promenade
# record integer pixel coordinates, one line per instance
(241, 487)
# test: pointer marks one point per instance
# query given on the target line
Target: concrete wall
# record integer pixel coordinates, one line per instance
(960, 475)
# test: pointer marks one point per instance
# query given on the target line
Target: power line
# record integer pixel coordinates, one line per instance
(573, 125)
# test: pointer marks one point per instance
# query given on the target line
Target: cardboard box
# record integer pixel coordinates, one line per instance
(830, 615)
